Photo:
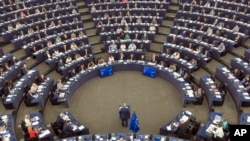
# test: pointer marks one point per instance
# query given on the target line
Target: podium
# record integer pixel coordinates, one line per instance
(106, 71)
(149, 71)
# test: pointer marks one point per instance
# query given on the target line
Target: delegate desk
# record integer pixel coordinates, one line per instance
(241, 65)
(65, 70)
(125, 136)
(206, 131)
(79, 128)
(132, 27)
(247, 54)
(171, 127)
(244, 118)
(12, 73)
(14, 98)
(28, 38)
(115, 5)
(230, 34)
(41, 54)
(145, 19)
(8, 127)
(185, 41)
(113, 35)
(133, 11)
(179, 62)
(187, 52)
(212, 93)
(235, 87)
(228, 43)
(43, 92)
(37, 122)
(210, 19)
(5, 59)
(174, 78)
(137, 54)
(52, 62)
(140, 44)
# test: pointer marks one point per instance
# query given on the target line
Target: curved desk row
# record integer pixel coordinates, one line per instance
(43, 92)
(8, 127)
(241, 65)
(128, 19)
(235, 87)
(150, 35)
(174, 78)
(125, 136)
(136, 11)
(206, 131)
(5, 58)
(38, 122)
(214, 96)
(244, 118)
(40, 55)
(9, 35)
(171, 127)
(11, 74)
(65, 69)
(211, 19)
(225, 32)
(185, 41)
(129, 4)
(15, 97)
(228, 43)
(140, 44)
(132, 26)
(189, 53)
(181, 63)
(52, 62)
(21, 41)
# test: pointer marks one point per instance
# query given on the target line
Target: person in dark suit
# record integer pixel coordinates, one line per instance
(24, 69)
(67, 129)
(13, 61)
(124, 114)
(41, 78)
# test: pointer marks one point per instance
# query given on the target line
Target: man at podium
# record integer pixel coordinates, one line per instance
(124, 113)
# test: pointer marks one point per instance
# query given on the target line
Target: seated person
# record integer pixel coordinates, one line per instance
(68, 60)
(32, 133)
(154, 58)
(176, 55)
(27, 120)
(224, 124)
(41, 78)
(194, 63)
(31, 96)
(59, 84)
(111, 59)
(221, 47)
(123, 46)
(172, 67)
(132, 46)
(60, 121)
(68, 129)
(100, 61)
(113, 46)
(33, 88)
(91, 64)
(218, 132)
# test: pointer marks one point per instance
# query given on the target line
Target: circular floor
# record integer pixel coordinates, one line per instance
(95, 104)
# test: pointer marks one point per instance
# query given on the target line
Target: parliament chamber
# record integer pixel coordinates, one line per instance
(67, 65)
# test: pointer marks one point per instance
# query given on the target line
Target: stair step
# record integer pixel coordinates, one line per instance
(94, 39)
(164, 30)
(86, 17)
(171, 15)
(174, 7)
(89, 25)
(96, 48)
(167, 23)
(160, 38)
(83, 10)
(91, 32)
(81, 3)
(156, 47)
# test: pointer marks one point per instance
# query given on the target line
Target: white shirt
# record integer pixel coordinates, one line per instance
(218, 132)
(132, 46)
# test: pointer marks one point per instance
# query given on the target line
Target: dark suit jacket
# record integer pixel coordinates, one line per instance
(124, 113)
(67, 130)
(59, 122)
